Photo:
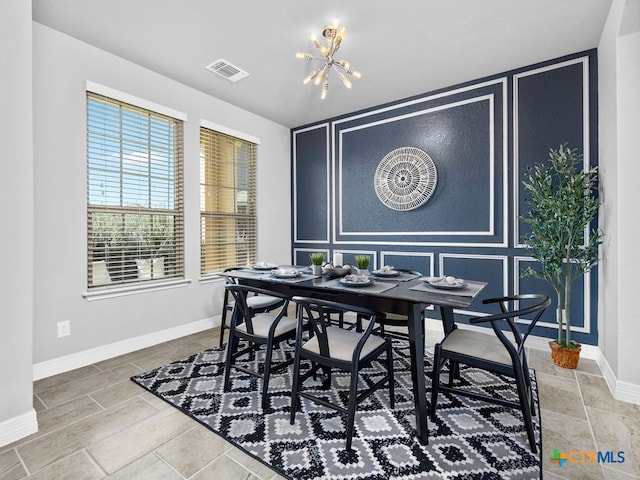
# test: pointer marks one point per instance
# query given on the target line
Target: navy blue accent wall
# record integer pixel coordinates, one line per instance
(311, 185)
(482, 136)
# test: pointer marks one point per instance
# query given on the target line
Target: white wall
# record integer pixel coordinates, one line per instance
(61, 66)
(629, 205)
(619, 117)
(608, 161)
(17, 417)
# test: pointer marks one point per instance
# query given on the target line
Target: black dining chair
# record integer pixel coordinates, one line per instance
(257, 303)
(493, 351)
(256, 329)
(396, 321)
(330, 347)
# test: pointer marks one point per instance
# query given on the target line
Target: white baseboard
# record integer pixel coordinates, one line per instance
(18, 427)
(104, 352)
(624, 391)
(590, 352)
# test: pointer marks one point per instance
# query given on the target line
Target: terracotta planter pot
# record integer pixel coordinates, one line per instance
(565, 357)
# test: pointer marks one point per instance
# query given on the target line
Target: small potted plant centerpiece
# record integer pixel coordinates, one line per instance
(362, 263)
(563, 202)
(317, 259)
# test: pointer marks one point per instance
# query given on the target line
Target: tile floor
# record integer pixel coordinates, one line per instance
(95, 423)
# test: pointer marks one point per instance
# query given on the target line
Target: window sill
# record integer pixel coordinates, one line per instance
(90, 296)
(211, 279)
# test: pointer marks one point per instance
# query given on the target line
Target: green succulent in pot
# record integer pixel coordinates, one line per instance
(563, 202)
(317, 258)
(362, 262)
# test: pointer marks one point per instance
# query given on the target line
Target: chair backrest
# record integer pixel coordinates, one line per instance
(229, 281)
(315, 312)
(242, 312)
(528, 303)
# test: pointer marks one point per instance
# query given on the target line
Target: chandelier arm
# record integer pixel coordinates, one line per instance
(335, 43)
(345, 81)
(346, 70)
(325, 88)
(349, 71)
(322, 74)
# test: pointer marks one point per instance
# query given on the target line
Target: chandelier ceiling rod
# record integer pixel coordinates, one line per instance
(320, 75)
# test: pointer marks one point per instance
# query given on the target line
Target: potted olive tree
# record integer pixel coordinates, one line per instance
(563, 202)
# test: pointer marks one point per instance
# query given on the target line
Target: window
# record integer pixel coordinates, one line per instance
(135, 200)
(227, 201)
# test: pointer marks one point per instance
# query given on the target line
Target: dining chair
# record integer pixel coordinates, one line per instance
(398, 322)
(493, 351)
(256, 329)
(257, 303)
(330, 347)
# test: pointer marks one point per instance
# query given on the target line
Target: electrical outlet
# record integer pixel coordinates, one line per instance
(64, 328)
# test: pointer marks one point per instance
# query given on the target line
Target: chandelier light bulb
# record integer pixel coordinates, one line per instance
(334, 36)
(304, 56)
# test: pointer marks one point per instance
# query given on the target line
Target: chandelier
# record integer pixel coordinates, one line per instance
(320, 76)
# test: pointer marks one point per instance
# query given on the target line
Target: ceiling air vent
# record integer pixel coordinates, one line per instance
(227, 70)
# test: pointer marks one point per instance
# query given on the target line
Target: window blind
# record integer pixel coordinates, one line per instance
(134, 193)
(228, 220)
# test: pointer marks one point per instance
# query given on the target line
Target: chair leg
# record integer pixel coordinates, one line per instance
(454, 371)
(327, 381)
(527, 379)
(223, 326)
(526, 411)
(232, 345)
(392, 400)
(295, 385)
(435, 382)
(351, 408)
(267, 374)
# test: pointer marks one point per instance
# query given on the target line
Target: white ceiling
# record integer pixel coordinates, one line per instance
(402, 48)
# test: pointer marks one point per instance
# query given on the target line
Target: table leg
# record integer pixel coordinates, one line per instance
(448, 320)
(416, 345)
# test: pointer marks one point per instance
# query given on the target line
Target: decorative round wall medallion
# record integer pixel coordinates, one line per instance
(405, 178)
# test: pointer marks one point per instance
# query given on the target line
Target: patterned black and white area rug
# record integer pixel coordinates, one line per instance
(470, 439)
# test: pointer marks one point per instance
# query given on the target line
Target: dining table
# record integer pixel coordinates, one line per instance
(406, 294)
